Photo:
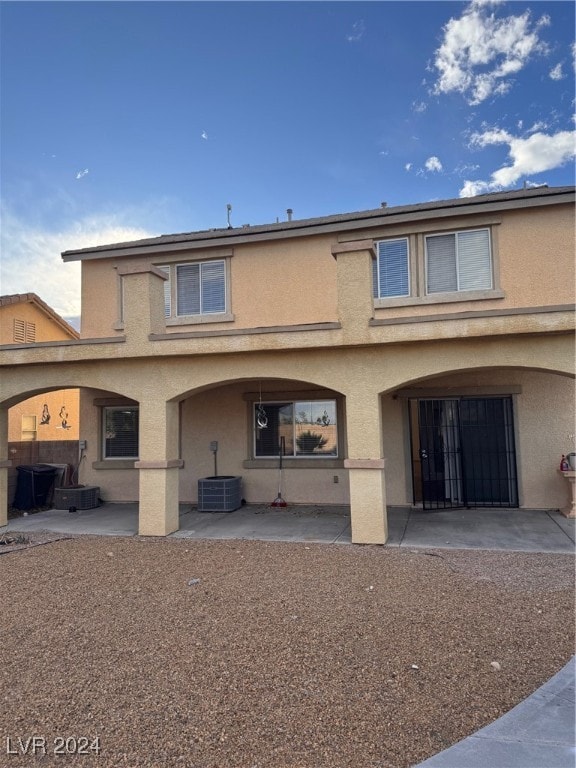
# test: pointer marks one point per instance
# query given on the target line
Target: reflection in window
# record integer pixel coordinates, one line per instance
(309, 429)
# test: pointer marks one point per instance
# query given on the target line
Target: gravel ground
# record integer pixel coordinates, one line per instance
(281, 655)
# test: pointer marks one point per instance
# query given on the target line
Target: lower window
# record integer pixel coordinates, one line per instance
(305, 429)
(120, 432)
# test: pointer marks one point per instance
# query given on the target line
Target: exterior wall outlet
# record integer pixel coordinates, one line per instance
(82, 445)
(336, 479)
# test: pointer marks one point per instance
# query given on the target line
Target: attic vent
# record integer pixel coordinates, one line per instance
(24, 332)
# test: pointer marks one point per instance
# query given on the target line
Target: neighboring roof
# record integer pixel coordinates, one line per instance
(339, 222)
(32, 298)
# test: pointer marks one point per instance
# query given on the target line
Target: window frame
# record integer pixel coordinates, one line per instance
(104, 448)
(295, 457)
(376, 269)
(456, 233)
(171, 292)
(417, 266)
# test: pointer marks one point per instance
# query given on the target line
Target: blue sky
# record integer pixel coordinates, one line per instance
(123, 120)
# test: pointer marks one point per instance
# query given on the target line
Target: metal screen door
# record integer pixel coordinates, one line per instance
(466, 452)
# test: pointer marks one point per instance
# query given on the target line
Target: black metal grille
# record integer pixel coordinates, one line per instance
(466, 452)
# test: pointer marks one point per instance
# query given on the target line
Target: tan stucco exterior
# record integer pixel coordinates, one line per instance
(52, 415)
(302, 324)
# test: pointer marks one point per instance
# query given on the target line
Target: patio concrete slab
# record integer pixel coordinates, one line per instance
(312, 524)
(520, 530)
(523, 530)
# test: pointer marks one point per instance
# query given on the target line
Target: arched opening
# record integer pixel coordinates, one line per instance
(482, 437)
(240, 428)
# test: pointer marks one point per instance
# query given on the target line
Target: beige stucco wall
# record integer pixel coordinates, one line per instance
(544, 413)
(47, 329)
(279, 283)
(60, 402)
(284, 282)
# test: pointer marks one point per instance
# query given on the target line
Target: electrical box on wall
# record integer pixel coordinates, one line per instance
(82, 445)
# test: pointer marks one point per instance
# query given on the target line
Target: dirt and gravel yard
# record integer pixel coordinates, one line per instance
(247, 654)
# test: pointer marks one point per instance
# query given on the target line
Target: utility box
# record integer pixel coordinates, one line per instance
(220, 493)
(83, 497)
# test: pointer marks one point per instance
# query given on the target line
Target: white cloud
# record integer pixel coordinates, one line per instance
(556, 72)
(31, 257)
(433, 164)
(357, 33)
(204, 135)
(80, 174)
(537, 153)
(480, 53)
(408, 167)
(419, 106)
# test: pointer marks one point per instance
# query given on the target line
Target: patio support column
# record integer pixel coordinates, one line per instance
(365, 466)
(158, 468)
(4, 464)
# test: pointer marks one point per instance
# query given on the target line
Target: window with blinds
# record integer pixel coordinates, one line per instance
(200, 289)
(390, 270)
(459, 261)
(120, 432)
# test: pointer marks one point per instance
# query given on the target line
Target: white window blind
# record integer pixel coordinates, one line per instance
(459, 261)
(201, 288)
(390, 269)
(167, 291)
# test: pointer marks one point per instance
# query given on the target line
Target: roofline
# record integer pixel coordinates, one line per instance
(378, 217)
(33, 298)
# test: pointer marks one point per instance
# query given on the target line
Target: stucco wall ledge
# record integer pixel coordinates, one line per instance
(165, 464)
(364, 463)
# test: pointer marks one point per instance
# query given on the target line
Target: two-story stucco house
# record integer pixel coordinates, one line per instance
(415, 355)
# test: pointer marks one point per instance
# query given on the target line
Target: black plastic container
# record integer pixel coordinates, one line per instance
(34, 485)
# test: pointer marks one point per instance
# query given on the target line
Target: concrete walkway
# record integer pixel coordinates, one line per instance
(538, 733)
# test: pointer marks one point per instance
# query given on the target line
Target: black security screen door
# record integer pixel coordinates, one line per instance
(466, 455)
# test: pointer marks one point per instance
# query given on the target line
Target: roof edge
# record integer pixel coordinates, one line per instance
(336, 222)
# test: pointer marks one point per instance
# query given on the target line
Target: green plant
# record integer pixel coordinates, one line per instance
(309, 441)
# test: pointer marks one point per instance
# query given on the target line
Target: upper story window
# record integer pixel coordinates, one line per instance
(458, 261)
(391, 271)
(195, 289)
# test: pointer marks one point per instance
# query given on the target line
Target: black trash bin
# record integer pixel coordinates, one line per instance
(34, 484)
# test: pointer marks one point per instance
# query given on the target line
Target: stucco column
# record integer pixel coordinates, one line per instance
(158, 467)
(143, 302)
(4, 464)
(354, 285)
(366, 468)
